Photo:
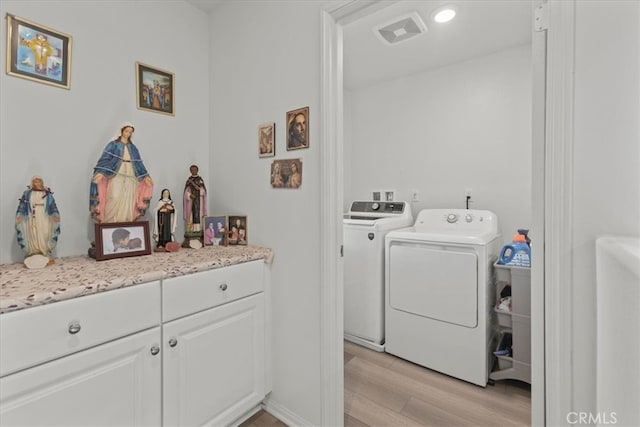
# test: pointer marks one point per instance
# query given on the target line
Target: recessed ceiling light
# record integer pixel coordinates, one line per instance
(444, 14)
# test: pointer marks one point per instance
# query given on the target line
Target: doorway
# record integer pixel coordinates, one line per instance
(334, 25)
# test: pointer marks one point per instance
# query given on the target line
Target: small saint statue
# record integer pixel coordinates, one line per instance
(37, 224)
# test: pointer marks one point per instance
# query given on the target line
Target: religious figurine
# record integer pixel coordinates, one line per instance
(195, 208)
(37, 224)
(121, 187)
(165, 219)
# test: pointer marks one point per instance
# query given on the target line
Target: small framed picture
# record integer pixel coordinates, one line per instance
(238, 230)
(286, 173)
(122, 239)
(38, 53)
(154, 89)
(267, 140)
(215, 231)
(298, 129)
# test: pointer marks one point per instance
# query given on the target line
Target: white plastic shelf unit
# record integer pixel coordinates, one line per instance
(517, 322)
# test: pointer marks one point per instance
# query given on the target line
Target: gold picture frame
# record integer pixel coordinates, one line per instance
(155, 89)
(38, 53)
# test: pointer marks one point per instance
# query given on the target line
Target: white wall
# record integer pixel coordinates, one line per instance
(265, 61)
(59, 134)
(466, 125)
(606, 180)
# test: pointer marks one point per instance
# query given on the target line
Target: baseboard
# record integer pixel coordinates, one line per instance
(284, 414)
(247, 415)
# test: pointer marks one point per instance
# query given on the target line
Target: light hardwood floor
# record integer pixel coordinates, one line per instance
(381, 390)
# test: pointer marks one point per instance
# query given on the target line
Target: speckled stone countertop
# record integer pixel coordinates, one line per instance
(76, 276)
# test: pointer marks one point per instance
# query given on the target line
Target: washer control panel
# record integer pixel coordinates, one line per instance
(378, 207)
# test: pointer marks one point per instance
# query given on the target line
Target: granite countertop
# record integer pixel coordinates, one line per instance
(76, 276)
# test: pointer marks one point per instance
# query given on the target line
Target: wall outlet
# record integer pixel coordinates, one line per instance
(375, 196)
(467, 192)
(415, 195)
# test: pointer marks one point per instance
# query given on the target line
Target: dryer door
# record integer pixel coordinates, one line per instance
(434, 281)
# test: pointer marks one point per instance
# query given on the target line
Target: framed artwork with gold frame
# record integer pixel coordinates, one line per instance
(155, 89)
(38, 53)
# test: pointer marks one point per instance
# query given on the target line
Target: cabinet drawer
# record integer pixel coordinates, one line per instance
(189, 294)
(35, 335)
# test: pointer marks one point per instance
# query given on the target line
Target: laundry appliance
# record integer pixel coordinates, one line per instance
(439, 294)
(364, 228)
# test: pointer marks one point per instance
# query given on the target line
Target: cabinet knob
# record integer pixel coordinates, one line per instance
(173, 342)
(223, 287)
(74, 328)
(155, 350)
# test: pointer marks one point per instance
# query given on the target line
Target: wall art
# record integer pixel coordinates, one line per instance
(298, 129)
(267, 140)
(38, 53)
(155, 89)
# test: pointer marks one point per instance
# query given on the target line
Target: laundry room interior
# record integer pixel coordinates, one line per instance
(437, 120)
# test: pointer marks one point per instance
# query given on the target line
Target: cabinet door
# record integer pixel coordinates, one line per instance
(213, 364)
(114, 384)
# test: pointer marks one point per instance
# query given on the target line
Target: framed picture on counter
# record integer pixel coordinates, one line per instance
(238, 230)
(215, 230)
(122, 239)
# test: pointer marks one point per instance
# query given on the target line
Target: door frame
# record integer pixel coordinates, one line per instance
(552, 136)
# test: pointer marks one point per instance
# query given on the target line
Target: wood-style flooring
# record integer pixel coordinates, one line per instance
(381, 390)
(384, 390)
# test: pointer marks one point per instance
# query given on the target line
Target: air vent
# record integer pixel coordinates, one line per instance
(401, 29)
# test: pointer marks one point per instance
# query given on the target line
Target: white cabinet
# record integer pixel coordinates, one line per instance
(114, 384)
(192, 350)
(80, 372)
(214, 364)
(214, 359)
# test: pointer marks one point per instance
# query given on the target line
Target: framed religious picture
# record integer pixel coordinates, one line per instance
(154, 89)
(38, 53)
(215, 230)
(122, 239)
(298, 129)
(267, 140)
(286, 173)
(237, 234)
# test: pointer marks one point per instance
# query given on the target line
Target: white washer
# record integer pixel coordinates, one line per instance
(438, 291)
(365, 226)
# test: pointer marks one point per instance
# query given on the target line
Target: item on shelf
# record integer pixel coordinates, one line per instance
(525, 233)
(517, 253)
(504, 304)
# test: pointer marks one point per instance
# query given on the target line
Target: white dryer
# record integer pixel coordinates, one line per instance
(364, 227)
(439, 294)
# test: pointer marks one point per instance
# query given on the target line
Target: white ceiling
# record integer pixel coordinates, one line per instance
(479, 28)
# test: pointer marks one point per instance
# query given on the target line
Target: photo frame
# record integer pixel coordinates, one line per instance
(238, 230)
(38, 53)
(297, 129)
(155, 89)
(267, 140)
(215, 230)
(286, 173)
(122, 239)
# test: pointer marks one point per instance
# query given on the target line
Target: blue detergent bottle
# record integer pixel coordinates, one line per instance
(517, 253)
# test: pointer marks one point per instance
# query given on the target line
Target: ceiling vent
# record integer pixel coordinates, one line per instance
(401, 29)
